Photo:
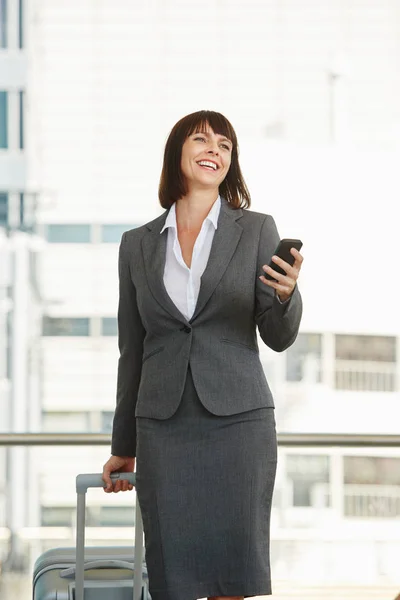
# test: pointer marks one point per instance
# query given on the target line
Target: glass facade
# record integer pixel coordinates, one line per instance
(21, 99)
(66, 326)
(3, 119)
(309, 477)
(3, 23)
(3, 209)
(375, 348)
(68, 233)
(303, 358)
(109, 326)
(366, 363)
(111, 234)
(21, 24)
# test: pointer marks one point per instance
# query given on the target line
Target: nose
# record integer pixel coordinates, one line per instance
(213, 149)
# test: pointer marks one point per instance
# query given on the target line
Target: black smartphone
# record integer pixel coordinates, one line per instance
(283, 251)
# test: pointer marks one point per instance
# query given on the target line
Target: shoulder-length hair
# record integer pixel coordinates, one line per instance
(173, 184)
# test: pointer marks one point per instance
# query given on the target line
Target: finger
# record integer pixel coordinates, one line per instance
(282, 263)
(297, 261)
(285, 287)
(273, 273)
(284, 280)
(271, 283)
(299, 257)
(107, 480)
(124, 485)
(291, 271)
(117, 486)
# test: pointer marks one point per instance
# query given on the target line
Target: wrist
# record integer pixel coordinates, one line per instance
(283, 297)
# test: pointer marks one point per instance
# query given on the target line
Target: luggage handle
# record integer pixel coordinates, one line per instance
(94, 480)
(98, 564)
(83, 482)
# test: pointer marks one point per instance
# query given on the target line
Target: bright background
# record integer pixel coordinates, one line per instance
(89, 91)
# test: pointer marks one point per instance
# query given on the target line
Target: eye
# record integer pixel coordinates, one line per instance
(226, 146)
(199, 137)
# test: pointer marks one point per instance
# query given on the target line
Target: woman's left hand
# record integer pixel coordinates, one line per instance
(284, 284)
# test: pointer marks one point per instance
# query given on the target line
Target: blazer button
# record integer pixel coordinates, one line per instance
(186, 329)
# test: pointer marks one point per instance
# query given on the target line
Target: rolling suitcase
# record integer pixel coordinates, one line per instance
(112, 573)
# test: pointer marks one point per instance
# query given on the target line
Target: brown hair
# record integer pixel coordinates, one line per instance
(173, 185)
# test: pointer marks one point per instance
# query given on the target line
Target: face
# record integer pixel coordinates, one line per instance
(206, 158)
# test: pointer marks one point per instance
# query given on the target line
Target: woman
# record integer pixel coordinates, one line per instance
(193, 404)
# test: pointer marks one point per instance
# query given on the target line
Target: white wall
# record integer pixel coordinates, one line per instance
(112, 77)
(343, 203)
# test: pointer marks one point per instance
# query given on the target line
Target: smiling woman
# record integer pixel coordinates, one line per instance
(194, 410)
(206, 158)
(192, 140)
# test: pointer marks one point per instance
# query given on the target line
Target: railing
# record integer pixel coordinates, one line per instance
(320, 551)
(368, 376)
(284, 439)
(379, 501)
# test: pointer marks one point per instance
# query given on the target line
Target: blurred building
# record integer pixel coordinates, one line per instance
(19, 296)
(313, 92)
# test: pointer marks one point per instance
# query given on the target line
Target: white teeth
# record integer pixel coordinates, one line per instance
(206, 163)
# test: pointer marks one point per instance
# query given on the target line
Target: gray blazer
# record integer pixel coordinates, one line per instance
(157, 343)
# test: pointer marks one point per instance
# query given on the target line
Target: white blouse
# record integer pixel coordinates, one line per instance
(182, 283)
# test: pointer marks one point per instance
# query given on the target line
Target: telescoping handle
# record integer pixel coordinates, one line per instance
(83, 483)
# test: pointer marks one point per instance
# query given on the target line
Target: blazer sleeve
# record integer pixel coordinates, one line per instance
(278, 323)
(130, 342)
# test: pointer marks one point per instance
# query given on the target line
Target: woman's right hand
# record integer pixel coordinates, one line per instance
(119, 464)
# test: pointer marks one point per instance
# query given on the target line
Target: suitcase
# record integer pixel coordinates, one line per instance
(112, 573)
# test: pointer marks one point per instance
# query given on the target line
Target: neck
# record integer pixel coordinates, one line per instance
(192, 209)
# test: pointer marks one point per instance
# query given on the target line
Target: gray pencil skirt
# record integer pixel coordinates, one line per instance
(204, 485)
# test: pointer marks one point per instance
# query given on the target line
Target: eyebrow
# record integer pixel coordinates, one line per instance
(223, 138)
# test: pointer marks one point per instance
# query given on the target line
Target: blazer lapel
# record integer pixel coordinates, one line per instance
(226, 239)
(154, 248)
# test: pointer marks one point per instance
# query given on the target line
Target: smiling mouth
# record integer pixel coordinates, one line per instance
(208, 165)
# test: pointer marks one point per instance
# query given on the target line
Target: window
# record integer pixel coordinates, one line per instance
(21, 119)
(3, 23)
(21, 24)
(365, 363)
(9, 340)
(65, 326)
(57, 516)
(3, 119)
(21, 209)
(309, 475)
(303, 358)
(366, 347)
(3, 209)
(372, 486)
(68, 234)
(109, 326)
(111, 234)
(27, 211)
(106, 421)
